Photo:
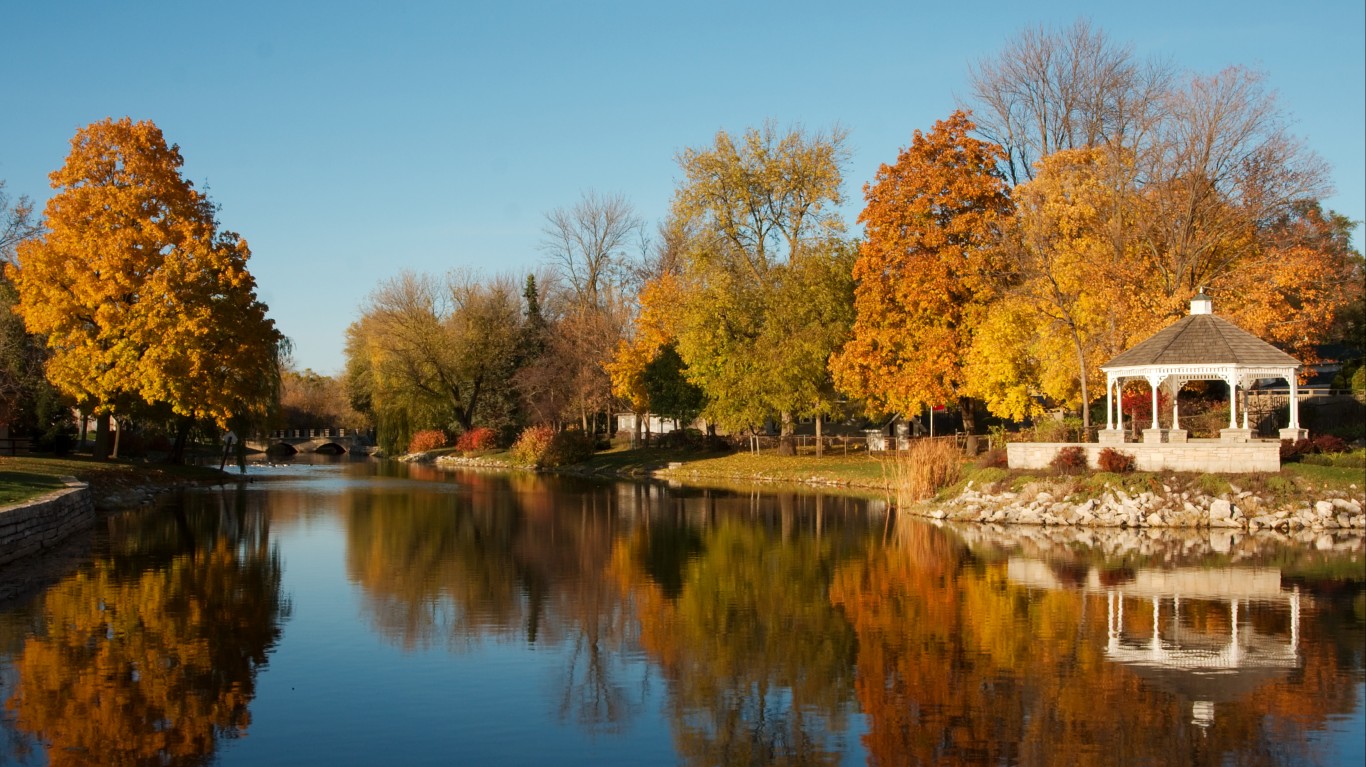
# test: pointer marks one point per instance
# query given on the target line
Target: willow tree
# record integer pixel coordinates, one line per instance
(143, 300)
(759, 207)
(924, 271)
(429, 353)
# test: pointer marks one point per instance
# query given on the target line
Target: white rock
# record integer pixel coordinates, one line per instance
(1323, 508)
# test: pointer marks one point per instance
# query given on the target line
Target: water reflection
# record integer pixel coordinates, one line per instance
(149, 653)
(730, 627)
(970, 657)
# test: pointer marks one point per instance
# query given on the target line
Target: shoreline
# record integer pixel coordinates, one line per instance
(1170, 503)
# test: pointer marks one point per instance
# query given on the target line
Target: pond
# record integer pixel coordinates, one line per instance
(360, 612)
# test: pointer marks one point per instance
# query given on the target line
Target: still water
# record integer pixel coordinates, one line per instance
(360, 613)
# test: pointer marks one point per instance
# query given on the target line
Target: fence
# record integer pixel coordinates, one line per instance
(843, 444)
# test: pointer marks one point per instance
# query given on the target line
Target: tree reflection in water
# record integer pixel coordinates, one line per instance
(958, 664)
(149, 655)
(751, 628)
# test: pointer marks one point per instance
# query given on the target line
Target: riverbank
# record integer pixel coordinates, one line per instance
(113, 484)
(1300, 497)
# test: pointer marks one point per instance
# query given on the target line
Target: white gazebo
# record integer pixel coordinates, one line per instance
(1198, 347)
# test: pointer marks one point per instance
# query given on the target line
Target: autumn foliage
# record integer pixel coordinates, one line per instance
(143, 300)
(428, 439)
(478, 438)
(922, 274)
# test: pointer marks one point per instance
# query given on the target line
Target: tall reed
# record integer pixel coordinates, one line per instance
(918, 473)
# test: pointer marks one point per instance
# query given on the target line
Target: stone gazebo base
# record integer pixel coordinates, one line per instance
(1210, 456)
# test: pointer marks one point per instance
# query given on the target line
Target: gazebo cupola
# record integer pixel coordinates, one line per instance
(1198, 347)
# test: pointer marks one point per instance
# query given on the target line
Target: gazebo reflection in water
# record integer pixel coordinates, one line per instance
(1203, 667)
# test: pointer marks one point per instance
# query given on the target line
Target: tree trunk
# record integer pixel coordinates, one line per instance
(102, 435)
(1085, 397)
(182, 435)
(820, 451)
(117, 434)
(787, 442)
(968, 407)
(639, 418)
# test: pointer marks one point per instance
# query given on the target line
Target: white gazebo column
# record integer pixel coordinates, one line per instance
(1232, 402)
(1110, 402)
(1233, 433)
(1294, 432)
(1247, 399)
(1154, 432)
(1114, 432)
(1176, 433)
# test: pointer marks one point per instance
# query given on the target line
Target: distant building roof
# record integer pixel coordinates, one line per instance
(1202, 339)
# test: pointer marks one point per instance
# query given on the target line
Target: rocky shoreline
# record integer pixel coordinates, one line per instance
(1237, 509)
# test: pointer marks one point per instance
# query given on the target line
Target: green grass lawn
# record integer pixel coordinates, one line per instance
(23, 477)
(16, 486)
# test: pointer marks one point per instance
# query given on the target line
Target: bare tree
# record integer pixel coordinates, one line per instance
(17, 223)
(1064, 89)
(588, 244)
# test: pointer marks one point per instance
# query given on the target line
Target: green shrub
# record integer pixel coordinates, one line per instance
(1353, 460)
(428, 439)
(1049, 430)
(1214, 484)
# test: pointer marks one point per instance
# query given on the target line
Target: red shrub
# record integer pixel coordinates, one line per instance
(1112, 460)
(429, 439)
(1070, 459)
(543, 446)
(1291, 450)
(993, 458)
(1328, 443)
(478, 438)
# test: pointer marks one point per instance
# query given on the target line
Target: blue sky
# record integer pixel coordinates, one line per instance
(350, 140)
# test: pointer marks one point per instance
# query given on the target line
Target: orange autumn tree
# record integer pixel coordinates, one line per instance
(1293, 288)
(922, 274)
(143, 300)
(654, 328)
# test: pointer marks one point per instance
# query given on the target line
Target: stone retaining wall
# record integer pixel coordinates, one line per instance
(1209, 457)
(29, 527)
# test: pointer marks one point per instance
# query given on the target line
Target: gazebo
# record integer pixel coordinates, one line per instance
(1198, 347)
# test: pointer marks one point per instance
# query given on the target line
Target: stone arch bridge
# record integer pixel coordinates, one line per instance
(326, 441)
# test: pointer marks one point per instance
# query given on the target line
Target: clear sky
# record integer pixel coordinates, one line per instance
(350, 140)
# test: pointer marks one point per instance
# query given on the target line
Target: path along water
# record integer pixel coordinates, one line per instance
(359, 612)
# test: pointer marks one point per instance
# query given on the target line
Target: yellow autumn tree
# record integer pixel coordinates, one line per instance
(764, 289)
(1064, 282)
(142, 299)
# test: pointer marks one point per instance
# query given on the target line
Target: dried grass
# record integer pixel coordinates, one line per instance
(917, 474)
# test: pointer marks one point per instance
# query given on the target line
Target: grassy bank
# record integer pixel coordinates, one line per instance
(23, 477)
(1297, 483)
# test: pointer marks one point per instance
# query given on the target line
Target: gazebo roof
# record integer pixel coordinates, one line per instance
(1202, 339)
